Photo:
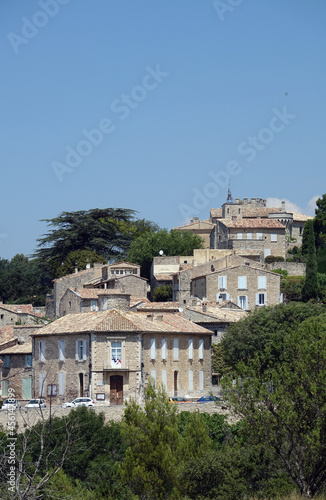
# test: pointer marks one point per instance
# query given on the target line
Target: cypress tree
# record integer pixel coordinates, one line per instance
(310, 287)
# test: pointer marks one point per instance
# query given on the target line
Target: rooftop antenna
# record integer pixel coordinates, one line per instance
(229, 198)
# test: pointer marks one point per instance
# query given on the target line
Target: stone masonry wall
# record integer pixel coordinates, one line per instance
(182, 366)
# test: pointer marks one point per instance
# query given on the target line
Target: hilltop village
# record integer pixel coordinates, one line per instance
(105, 338)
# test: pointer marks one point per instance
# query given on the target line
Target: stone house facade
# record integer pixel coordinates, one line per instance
(75, 280)
(13, 314)
(16, 370)
(264, 235)
(244, 284)
(110, 356)
(93, 299)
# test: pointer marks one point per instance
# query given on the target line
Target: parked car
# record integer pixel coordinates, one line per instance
(79, 402)
(10, 404)
(179, 400)
(36, 403)
(208, 399)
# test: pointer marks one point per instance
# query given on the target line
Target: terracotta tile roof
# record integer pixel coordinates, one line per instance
(72, 275)
(93, 293)
(25, 348)
(123, 263)
(300, 217)
(216, 313)
(252, 223)
(134, 301)
(159, 306)
(6, 333)
(19, 308)
(216, 213)
(199, 225)
(119, 321)
(164, 276)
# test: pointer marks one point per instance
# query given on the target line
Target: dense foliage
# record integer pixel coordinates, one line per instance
(146, 247)
(107, 232)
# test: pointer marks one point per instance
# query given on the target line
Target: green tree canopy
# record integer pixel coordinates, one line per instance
(251, 336)
(145, 247)
(283, 401)
(107, 232)
(320, 221)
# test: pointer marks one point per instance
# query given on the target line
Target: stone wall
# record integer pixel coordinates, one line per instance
(293, 268)
(182, 365)
(15, 373)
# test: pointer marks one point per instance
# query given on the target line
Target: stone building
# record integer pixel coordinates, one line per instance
(244, 284)
(13, 314)
(75, 280)
(110, 355)
(16, 370)
(93, 299)
(202, 228)
(264, 235)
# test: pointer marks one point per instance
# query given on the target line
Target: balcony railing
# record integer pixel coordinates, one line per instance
(110, 365)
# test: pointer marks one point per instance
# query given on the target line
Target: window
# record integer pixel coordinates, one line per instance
(42, 351)
(239, 236)
(7, 361)
(163, 348)
(190, 380)
(61, 384)
(175, 349)
(249, 236)
(164, 379)
(190, 348)
(116, 348)
(261, 282)
(80, 350)
(273, 237)
(52, 389)
(93, 305)
(243, 301)
(242, 282)
(28, 360)
(61, 350)
(4, 384)
(260, 299)
(42, 384)
(259, 236)
(201, 380)
(201, 349)
(153, 376)
(222, 282)
(1, 316)
(153, 348)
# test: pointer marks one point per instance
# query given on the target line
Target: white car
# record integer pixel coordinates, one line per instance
(10, 404)
(79, 402)
(36, 403)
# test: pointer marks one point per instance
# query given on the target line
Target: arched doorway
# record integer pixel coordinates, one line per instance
(116, 390)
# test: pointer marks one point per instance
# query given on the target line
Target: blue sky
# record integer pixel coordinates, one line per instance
(156, 106)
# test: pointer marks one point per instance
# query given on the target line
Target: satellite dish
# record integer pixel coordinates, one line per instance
(161, 252)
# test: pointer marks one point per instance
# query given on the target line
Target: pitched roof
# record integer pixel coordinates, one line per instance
(216, 213)
(73, 275)
(216, 313)
(19, 308)
(6, 333)
(253, 223)
(164, 276)
(119, 321)
(93, 293)
(25, 348)
(159, 306)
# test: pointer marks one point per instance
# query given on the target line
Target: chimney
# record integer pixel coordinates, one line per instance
(283, 206)
(204, 308)
(76, 267)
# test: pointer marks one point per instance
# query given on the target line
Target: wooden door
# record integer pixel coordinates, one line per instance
(116, 390)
